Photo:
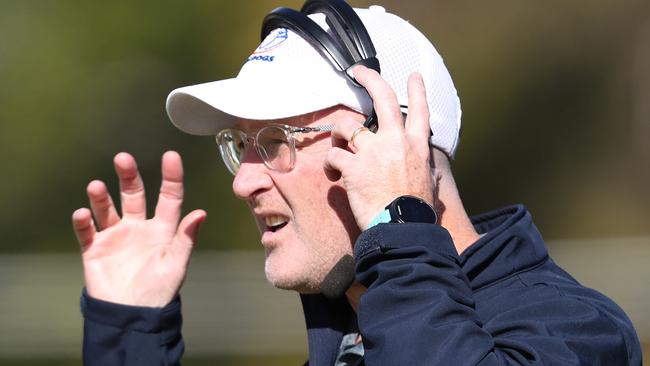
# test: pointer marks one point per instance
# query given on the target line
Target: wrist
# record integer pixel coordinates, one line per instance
(405, 209)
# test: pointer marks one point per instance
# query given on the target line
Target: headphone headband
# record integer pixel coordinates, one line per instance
(345, 25)
(310, 31)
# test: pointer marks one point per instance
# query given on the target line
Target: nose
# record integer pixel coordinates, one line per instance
(252, 178)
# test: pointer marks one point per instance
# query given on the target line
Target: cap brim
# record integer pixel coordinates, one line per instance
(206, 109)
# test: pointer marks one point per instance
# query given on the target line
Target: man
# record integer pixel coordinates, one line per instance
(346, 221)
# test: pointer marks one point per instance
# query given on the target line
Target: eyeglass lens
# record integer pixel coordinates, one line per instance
(272, 145)
(232, 146)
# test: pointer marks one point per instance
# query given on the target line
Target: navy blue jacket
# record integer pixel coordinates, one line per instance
(502, 302)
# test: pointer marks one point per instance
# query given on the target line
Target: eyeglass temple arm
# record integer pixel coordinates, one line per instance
(312, 129)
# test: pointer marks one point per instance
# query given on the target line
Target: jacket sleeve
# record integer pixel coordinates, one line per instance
(116, 334)
(419, 309)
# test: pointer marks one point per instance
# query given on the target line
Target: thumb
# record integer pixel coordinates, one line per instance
(188, 229)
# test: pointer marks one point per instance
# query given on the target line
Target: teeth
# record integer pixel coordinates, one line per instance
(275, 220)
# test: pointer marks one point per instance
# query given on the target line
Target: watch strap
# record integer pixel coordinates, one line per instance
(382, 217)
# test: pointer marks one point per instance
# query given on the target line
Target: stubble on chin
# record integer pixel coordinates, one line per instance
(320, 262)
(329, 276)
(290, 273)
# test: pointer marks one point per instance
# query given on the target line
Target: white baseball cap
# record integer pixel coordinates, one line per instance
(285, 77)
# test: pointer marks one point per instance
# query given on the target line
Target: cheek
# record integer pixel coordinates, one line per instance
(337, 199)
(331, 210)
(319, 204)
(308, 177)
(312, 191)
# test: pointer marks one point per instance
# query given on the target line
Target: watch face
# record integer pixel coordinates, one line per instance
(413, 209)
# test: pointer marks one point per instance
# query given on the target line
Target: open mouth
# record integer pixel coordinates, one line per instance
(275, 223)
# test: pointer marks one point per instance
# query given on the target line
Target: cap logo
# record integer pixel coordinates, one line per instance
(266, 58)
(274, 40)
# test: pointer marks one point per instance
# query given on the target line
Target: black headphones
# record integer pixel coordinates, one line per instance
(351, 47)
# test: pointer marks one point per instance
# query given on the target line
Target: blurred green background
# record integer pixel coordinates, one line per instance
(556, 112)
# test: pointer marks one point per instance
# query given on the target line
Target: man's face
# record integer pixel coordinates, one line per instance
(305, 220)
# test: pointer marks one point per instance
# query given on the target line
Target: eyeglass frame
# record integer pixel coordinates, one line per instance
(289, 132)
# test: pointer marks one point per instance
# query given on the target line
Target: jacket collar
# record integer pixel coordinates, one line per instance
(326, 321)
(511, 243)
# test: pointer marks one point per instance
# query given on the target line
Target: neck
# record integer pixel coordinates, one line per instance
(459, 226)
(449, 207)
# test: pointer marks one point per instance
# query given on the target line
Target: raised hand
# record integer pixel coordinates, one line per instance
(133, 260)
(377, 168)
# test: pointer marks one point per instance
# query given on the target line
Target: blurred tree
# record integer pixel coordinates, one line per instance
(554, 97)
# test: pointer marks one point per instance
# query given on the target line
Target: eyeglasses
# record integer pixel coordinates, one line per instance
(275, 144)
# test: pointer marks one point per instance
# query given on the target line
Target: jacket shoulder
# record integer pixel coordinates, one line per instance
(547, 300)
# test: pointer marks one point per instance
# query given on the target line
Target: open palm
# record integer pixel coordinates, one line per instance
(133, 260)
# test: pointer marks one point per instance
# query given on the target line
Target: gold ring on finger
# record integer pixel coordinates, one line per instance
(355, 133)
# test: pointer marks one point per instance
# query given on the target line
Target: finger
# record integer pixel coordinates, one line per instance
(170, 199)
(353, 133)
(102, 205)
(417, 122)
(332, 174)
(84, 229)
(131, 187)
(188, 231)
(383, 97)
(337, 162)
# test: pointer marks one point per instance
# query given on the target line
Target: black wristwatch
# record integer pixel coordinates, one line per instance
(406, 209)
